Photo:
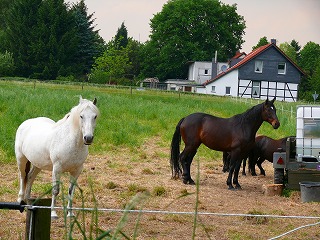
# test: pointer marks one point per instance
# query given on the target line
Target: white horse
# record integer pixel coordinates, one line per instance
(56, 146)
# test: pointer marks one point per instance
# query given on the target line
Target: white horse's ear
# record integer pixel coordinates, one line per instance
(80, 100)
(94, 101)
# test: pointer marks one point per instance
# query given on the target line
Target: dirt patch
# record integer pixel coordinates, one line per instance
(118, 175)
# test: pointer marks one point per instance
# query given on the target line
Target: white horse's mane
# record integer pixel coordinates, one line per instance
(76, 110)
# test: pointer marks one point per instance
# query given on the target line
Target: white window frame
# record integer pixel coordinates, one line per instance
(255, 87)
(258, 66)
(213, 89)
(282, 70)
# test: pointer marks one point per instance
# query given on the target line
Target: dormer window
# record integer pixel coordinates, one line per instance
(282, 68)
(258, 66)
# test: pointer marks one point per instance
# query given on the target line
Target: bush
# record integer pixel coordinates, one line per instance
(6, 64)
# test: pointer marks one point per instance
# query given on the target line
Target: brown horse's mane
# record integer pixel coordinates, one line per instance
(250, 115)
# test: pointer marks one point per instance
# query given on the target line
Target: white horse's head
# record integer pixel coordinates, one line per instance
(87, 115)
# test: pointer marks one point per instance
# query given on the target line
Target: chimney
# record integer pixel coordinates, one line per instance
(274, 41)
(214, 69)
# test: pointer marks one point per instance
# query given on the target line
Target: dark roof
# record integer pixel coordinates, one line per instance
(251, 56)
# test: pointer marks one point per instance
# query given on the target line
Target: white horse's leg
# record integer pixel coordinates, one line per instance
(24, 167)
(73, 180)
(55, 191)
(70, 197)
(30, 179)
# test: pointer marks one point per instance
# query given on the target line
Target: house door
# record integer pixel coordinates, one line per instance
(187, 89)
(255, 93)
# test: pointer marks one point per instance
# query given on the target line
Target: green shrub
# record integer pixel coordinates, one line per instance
(159, 191)
(6, 64)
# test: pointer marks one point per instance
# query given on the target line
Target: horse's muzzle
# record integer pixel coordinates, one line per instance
(88, 140)
(275, 124)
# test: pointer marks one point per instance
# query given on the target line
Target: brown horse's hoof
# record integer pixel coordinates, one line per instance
(231, 188)
(190, 182)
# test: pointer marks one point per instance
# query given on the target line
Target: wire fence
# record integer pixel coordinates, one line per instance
(150, 211)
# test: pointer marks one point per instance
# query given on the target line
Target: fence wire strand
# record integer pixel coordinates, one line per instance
(173, 212)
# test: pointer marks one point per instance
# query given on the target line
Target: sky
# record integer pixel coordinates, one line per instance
(283, 20)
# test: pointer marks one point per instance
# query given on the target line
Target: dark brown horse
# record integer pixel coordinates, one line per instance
(235, 135)
(263, 150)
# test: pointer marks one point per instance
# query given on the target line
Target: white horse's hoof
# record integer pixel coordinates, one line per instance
(54, 215)
(70, 215)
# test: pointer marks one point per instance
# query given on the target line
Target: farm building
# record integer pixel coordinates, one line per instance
(265, 72)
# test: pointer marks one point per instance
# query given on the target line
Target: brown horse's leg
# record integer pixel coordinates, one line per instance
(226, 161)
(235, 164)
(244, 167)
(253, 159)
(231, 170)
(259, 164)
(236, 174)
(186, 158)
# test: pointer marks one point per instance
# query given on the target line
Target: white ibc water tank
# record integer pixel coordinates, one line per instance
(308, 131)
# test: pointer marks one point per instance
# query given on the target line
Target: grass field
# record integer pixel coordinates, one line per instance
(127, 119)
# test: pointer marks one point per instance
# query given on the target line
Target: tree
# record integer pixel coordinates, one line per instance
(121, 38)
(310, 63)
(20, 19)
(190, 30)
(111, 65)
(262, 41)
(49, 39)
(55, 41)
(289, 51)
(296, 48)
(310, 56)
(90, 44)
(4, 7)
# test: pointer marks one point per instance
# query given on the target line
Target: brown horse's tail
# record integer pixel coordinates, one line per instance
(175, 152)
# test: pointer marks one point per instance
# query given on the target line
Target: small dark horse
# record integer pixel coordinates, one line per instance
(263, 150)
(235, 135)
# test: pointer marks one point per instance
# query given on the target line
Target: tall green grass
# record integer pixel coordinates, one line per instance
(128, 118)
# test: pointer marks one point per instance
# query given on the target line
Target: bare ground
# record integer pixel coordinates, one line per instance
(117, 175)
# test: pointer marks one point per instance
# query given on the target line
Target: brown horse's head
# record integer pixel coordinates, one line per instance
(269, 113)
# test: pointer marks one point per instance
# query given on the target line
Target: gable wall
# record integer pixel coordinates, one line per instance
(271, 57)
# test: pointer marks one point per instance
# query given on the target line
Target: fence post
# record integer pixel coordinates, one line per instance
(38, 220)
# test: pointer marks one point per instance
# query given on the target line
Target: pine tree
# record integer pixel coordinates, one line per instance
(121, 38)
(20, 19)
(90, 44)
(55, 41)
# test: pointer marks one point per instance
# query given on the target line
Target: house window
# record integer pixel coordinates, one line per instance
(206, 71)
(228, 90)
(258, 66)
(282, 68)
(255, 90)
(213, 89)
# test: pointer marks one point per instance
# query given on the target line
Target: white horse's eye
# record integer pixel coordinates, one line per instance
(81, 116)
(95, 117)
